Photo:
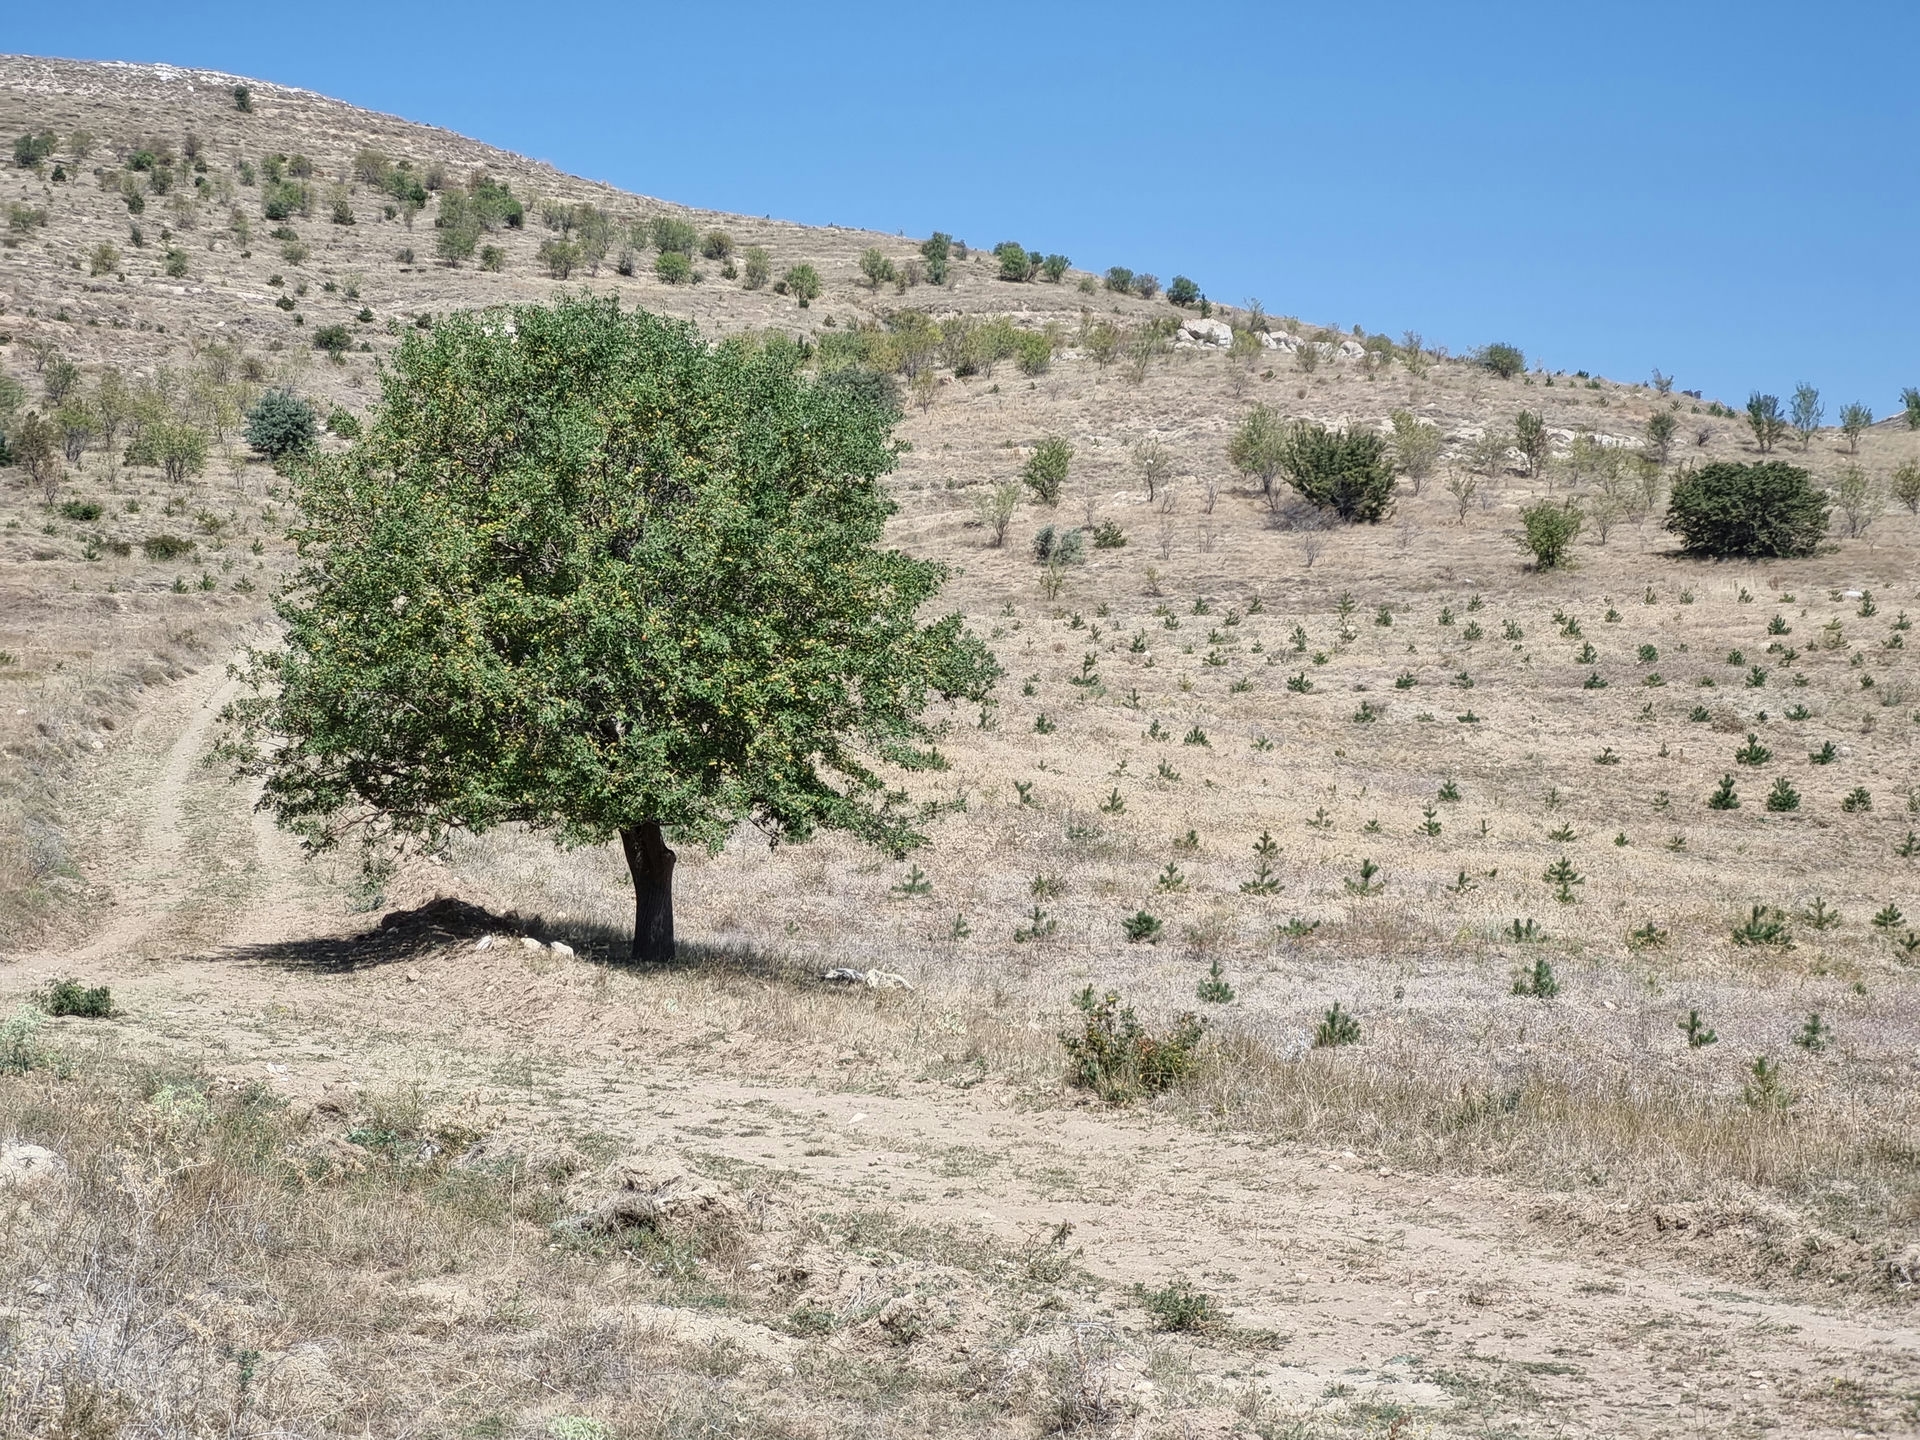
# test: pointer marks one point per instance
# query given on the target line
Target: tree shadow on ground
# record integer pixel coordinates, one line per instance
(410, 935)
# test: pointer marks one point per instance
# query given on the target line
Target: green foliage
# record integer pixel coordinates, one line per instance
(1035, 352)
(31, 150)
(70, 997)
(1416, 446)
(343, 422)
(280, 424)
(1119, 279)
(1764, 1088)
(1054, 267)
(1815, 1035)
(802, 282)
(718, 245)
(1753, 752)
(1259, 446)
(243, 99)
(1904, 486)
(1502, 359)
(1179, 1306)
(1723, 797)
(876, 267)
(1563, 877)
(1538, 981)
(1757, 511)
(166, 547)
(1854, 420)
(1141, 926)
(1547, 532)
(1345, 471)
(756, 269)
(1766, 420)
(1336, 1028)
(1698, 1035)
(334, 339)
(1662, 426)
(673, 234)
(1807, 412)
(937, 251)
(560, 255)
(1046, 469)
(1213, 988)
(1783, 797)
(1183, 292)
(672, 267)
(656, 597)
(1531, 439)
(1119, 1059)
(1764, 926)
(1017, 263)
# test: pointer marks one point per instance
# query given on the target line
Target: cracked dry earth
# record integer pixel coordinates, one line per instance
(1359, 1300)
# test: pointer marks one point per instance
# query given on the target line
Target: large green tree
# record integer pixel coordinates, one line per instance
(589, 574)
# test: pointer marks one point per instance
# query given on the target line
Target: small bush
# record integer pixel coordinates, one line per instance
(875, 268)
(1337, 1027)
(1183, 292)
(717, 246)
(1046, 469)
(1119, 280)
(1547, 532)
(672, 267)
(70, 997)
(1345, 471)
(1178, 1306)
(166, 547)
(1017, 263)
(1141, 926)
(493, 258)
(280, 424)
(334, 339)
(1119, 1059)
(675, 235)
(243, 99)
(1537, 982)
(1502, 359)
(1759, 511)
(80, 510)
(343, 422)
(802, 282)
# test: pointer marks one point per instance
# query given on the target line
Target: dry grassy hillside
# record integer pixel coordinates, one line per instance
(1321, 763)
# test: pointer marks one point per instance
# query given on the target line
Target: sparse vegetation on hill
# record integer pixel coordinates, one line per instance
(1406, 790)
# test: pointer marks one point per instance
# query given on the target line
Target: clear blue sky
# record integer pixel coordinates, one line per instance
(1723, 190)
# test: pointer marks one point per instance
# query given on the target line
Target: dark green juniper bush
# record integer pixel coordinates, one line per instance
(586, 573)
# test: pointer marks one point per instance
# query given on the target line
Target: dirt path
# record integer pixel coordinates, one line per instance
(1348, 1285)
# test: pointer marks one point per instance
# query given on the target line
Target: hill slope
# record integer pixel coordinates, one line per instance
(1223, 722)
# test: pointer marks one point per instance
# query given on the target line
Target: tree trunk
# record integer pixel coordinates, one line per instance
(652, 865)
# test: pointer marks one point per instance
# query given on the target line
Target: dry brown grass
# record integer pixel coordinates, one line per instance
(1590, 1104)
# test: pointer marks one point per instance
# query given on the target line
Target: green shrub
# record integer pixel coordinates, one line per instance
(1146, 286)
(1764, 510)
(1054, 267)
(1214, 987)
(343, 422)
(1767, 421)
(1046, 469)
(802, 282)
(1118, 1058)
(675, 235)
(1345, 471)
(175, 263)
(1502, 359)
(1336, 1028)
(280, 424)
(166, 547)
(80, 510)
(1783, 797)
(1035, 354)
(1183, 292)
(717, 246)
(672, 267)
(876, 268)
(1179, 1306)
(70, 997)
(757, 269)
(243, 99)
(1538, 981)
(31, 150)
(937, 252)
(1854, 420)
(1017, 263)
(1053, 546)
(1119, 279)
(334, 339)
(1141, 926)
(560, 256)
(493, 258)
(1547, 532)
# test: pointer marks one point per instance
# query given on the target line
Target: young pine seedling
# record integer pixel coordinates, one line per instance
(1698, 1035)
(1815, 1035)
(1538, 982)
(1336, 1028)
(1364, 883)
(1214, 989)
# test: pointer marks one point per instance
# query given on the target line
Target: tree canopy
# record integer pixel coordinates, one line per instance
(588, 573)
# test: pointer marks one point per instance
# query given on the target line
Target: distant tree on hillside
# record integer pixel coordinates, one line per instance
(1854, 420)
(1807, 412)
(1502, 359)
(1764, 418)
